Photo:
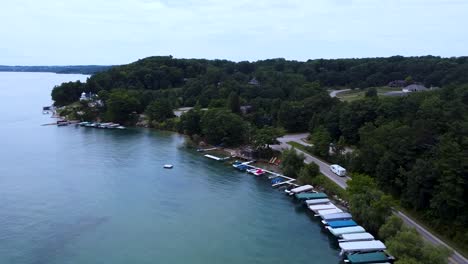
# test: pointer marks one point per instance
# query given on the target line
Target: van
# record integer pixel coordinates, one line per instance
(338, 170)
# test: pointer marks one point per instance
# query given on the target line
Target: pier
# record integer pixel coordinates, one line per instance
(208, 149)
(289, 180)
(216, 158)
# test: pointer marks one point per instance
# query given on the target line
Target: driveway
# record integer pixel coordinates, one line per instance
(335, 92)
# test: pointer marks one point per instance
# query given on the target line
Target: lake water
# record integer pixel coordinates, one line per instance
(80, 195)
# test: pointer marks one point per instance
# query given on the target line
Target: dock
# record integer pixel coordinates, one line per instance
(208, 149)
(216, 158)
(289, 180)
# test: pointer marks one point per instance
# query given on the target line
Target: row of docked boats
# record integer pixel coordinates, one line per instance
(357, 246)
(244, 166)
(109, 125)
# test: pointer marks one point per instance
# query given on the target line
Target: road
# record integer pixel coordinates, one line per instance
(455, 258)
(324, 167)
(335, 92)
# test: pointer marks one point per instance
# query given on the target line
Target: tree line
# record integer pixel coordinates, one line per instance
(414, 147)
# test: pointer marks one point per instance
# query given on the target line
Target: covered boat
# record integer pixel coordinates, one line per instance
(362, 246)
(361, 258)
(356, 237)
(336, 216)
(321, 213)
(342, 223)
(303, 188)
(318, 207)
(310, 196)
(317, 201)
(346, 230)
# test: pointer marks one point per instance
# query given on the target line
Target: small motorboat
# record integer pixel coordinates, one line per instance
(168, 166)
(258, 172)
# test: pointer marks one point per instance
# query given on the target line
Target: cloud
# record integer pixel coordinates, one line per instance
(109, 32)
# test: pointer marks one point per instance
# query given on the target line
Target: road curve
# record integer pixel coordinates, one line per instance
(455, 258)
(335, 92)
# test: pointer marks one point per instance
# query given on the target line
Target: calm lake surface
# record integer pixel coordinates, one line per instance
(81, 195)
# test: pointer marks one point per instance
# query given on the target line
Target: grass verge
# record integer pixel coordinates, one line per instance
(419, 219)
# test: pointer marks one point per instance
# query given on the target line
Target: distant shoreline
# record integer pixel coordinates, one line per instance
(70, 69)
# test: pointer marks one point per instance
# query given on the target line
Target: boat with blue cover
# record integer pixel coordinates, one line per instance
(310, 196)
(341, 223)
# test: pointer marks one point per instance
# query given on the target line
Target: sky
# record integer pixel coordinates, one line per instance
(105, 32)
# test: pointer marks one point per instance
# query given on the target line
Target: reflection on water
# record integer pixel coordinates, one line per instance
(74, 195)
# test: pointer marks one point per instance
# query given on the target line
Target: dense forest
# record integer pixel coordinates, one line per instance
(81, 69)
(414, 146)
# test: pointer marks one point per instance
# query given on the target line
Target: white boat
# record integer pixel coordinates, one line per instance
(362, 246)
(317, 201)
(346, 230)
(120, 127)
(356, 237)
(168, 166)
(335, 217)
(303, 188)
(321, 213)
(318, 207)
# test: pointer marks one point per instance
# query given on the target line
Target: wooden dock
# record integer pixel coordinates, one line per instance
(216, 158)
(289, 180)
(208, 149)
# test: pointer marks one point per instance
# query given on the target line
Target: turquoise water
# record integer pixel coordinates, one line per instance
(77, 195)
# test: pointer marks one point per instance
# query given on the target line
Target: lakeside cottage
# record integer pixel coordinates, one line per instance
(254, 81)
(246, 109)
(414, 88)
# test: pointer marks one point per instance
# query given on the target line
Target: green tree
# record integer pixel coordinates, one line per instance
(369, 206)
(392, 226)
(223, 127)
(409, 79)
(408, 246)
(190, 122)
(264, 137)
(371, 93)
(321, 139)
(67, 93)
(234, 102)
(159, 110)
(292, 162)
(308, 172)
(121, 106)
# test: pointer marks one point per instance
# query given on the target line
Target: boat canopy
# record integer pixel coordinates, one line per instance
(317, 201)
(337, 216)
(346, 230)
(319, 207)
(362, 246)
(374, 257)
(310, 196)
(321, 213)
(303, 188)
(356, 237)
(341, 223)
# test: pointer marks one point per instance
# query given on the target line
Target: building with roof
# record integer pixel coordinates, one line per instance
(414, 88)
(254, 81)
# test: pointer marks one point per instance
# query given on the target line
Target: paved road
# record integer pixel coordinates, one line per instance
(335, 92)
(456, 257)
(324, 167)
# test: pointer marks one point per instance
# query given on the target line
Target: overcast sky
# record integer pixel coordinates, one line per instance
(65, 32)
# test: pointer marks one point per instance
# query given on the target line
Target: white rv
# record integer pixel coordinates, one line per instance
(338, 170)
